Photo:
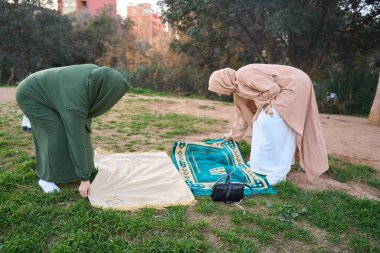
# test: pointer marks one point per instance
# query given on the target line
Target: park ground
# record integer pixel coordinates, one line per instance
(340, 212)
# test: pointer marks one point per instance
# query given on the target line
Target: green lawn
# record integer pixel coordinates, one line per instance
(291, 221)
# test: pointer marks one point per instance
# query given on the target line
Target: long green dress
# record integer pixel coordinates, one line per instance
(60, 103)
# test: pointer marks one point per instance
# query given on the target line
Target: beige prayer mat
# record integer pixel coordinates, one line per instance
(136, 180)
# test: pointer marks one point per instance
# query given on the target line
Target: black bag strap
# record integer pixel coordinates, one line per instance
(253, 193)
(228, 192)
(236, 175)
(246, 185)
(228, 176)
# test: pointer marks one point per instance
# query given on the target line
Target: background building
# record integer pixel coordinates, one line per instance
(68, 6)
(148, 25)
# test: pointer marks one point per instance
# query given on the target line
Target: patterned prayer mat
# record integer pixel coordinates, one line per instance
(201, 164)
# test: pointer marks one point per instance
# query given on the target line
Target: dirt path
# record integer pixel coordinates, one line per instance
(7, 94)
(348, 138)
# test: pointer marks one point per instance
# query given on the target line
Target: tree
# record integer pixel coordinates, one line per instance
(374, 115)
(95, 38)
(302, 33)
(120, 50)
(32, 38)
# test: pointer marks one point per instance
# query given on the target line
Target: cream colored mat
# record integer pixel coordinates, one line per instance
(136, 180)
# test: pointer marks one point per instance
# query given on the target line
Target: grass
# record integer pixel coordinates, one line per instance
(345, 172)
(291, 221)
(149, 92)
(207, 107)
(138, 124)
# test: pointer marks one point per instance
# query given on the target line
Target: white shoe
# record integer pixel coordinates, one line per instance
(48, 187)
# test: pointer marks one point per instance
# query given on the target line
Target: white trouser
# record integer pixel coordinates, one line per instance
(273, 147)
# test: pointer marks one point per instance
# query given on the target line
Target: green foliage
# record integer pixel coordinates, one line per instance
(290, 213)
(92, 36)
(355, 86)
(178, 80)
(35, 37)
(323, 38)
(32, 38)
(229, 33)
(148, 92)
(245, 149)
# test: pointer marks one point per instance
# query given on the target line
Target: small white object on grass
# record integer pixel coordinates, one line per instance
(48, 187)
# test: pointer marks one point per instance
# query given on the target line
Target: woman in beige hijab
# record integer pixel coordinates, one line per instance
(279, 103)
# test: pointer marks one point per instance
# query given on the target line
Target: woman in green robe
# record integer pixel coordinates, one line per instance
(60, 104)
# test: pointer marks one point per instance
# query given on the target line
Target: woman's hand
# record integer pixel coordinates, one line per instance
(84, 188)
(268, 109)
(226, 137)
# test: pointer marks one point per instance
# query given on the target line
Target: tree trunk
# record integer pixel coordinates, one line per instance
(124, 56)
(12, 75)
(374, 115)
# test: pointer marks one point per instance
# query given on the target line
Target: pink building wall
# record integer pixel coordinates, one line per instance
(96, 5)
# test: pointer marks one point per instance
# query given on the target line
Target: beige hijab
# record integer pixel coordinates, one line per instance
(223, 81)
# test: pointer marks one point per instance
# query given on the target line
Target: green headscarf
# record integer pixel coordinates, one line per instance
(106, 86)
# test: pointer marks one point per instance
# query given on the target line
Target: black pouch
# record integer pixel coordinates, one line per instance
(228, 192)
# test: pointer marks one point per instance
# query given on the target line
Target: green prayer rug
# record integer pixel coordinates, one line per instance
(201, 164)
